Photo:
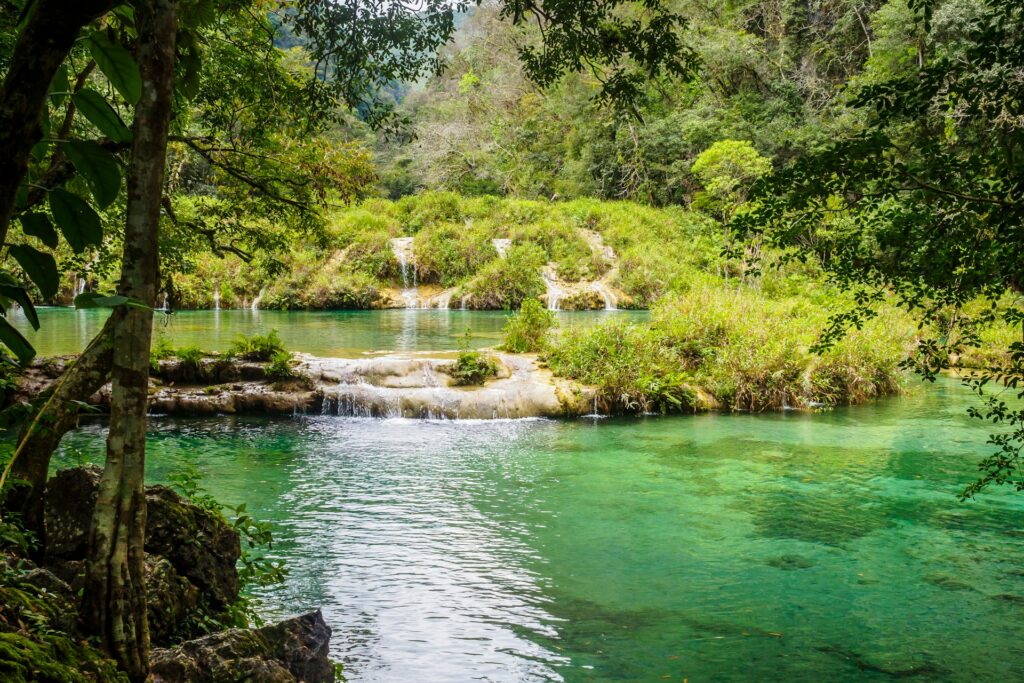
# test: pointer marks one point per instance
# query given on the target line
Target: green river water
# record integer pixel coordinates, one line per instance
(330, 334)
(800, 547)
(826, 547)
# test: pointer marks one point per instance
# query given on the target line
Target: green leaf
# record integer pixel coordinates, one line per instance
(20, 295)
(39, 149)
(38, 225)
(39, 266)
(98, 167)
(118, 65)
(96, 300)
(76, 219)
(95, 108)
(14, 340)
(60, 86)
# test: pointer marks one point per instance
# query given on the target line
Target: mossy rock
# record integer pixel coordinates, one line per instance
(53, 659)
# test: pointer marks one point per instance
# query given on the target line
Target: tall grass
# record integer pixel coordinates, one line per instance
(745, 350)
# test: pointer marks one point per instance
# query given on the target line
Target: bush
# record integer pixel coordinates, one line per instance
(256, 348)
(190, 356)
(160, 350)
(506, 283)
(745, 350)
(472, 368)
(420, 211)
(371, 253)
(447, 254)
(632, 370)
(280, 367)
(527, 330)
(325, 289)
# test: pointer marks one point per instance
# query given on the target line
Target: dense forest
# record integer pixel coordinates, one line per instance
(807, 205)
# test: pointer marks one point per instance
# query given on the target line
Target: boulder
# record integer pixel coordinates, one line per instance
(191, 552)
(290, 651)
(170, 600)
(198, 543)
(70, 499)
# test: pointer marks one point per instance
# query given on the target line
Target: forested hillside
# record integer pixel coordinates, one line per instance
(780, 75)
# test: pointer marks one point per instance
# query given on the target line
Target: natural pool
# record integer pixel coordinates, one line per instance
(321, 333)
(826, 547)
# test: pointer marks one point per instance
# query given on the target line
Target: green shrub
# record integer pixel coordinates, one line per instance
(446, 253)
(472, 368)
(324, 289)
(420, 211)
(506, 283)
(256, 348)
(280, 367)
(371, 253)
(190, 356)
(630, 367)
(160, 350)
(527, 329)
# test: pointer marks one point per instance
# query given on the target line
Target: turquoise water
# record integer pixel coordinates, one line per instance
(827, 547)
(321, 333)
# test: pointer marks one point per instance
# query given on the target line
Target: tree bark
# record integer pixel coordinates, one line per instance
(115, 582)
(41, 435)
(42, 46)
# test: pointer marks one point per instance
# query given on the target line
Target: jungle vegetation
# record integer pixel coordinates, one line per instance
(809, 197)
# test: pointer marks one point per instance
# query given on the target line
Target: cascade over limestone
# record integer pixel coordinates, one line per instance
(402, 248)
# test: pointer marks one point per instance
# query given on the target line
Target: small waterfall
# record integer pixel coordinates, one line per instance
(606, 294)
(402, 249)
(502, 246)
(216, 297)
(79, 285)
(256, 301)
(594, 413)
(163, 304)
(444, 300)
(555, 293)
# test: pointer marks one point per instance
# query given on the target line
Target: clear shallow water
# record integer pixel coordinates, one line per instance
(321, 333)
(710, 548)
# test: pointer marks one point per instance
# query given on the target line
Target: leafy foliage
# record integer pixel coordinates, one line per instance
(257, 347)
(471, 367)
(925, 202)
(527, 330)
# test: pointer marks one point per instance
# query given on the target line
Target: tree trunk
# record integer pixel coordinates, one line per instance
(42, 46)
(115, 582)
(53, 419)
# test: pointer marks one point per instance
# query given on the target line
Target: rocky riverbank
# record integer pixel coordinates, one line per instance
(192, 589)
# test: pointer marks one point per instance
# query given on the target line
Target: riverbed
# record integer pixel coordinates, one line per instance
(810, 547)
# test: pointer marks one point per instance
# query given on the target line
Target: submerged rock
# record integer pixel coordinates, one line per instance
(287, 652)
(790, 562)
